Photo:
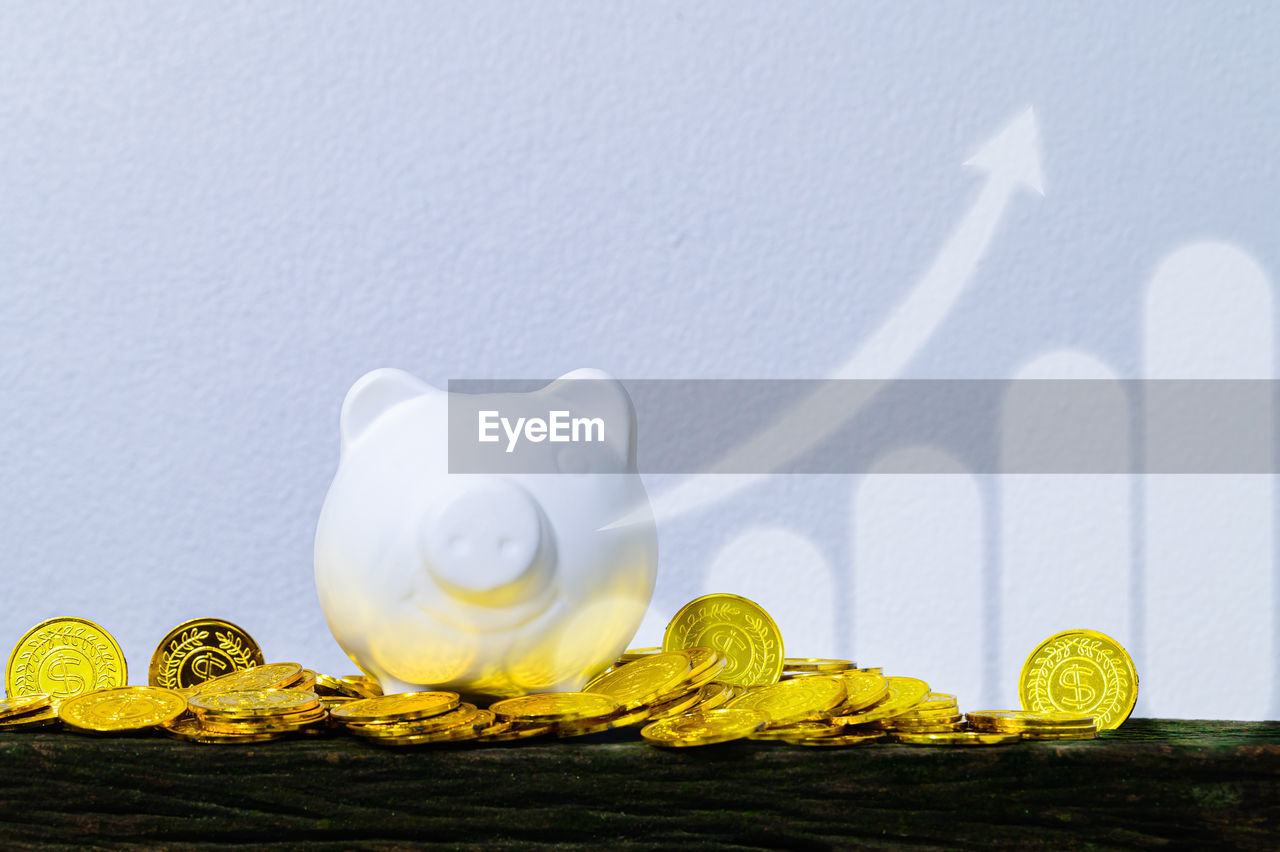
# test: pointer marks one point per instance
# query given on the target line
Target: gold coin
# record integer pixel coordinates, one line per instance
(481, 721)
(794, 700)
(20, 705)
(199, 650)
(632, 654)
(736, 627)
(1038, 730)
(710, 728)
(714, 695)
(675, 706)
(44, 718)
(494, 727)
(1028, 718)
(330, 686)
(903, 694)
(907, 719)
(191, 731)
(924, 729)
(122, 708)
(705, 664)
(642, 681)
(594, 726)
(298, 718)
(64, 657)
(816, 664)
(863, 690)
(565, 732)
(955, 738)
(403, 706)
(516, 733)
(468, 729)
(1081, 671)
(264, 724)
(800, 730)
(918, 715)
(364, 684)
(253, 702)
(270, 676)
(555, 707)
(426, 739)
(835, 741)
(307, 681)
(458, 716)
(936, 701)
(1059, 733)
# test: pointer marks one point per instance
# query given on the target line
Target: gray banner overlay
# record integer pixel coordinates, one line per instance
(863, 426)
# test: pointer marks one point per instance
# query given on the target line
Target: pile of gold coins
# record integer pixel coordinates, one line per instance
(720, 675)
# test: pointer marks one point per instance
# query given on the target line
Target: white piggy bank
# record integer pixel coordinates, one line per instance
(490, 585)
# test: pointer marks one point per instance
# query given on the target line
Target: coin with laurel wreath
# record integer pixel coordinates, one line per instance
(1081, 671)
(63, 657)
(201, 649)
(738, 628)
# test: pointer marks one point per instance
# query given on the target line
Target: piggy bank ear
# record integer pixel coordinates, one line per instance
(598, 394)
(373, 395)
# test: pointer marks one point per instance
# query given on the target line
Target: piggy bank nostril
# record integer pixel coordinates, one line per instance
(459, 546)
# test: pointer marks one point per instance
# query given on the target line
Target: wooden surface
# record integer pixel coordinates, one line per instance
(1153, 784)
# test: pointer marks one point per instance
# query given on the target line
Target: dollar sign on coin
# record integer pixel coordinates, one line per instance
(200, 650)
(1081, 671)
(64, 657)
(738, 628)
(1075, 690)
(65, 672)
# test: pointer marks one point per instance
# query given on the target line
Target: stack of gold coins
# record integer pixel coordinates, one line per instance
(659, 686)
(711, 727)
(253, 712)
(562, 713)
(901, 696)
(802, 699)
(802, 666)
(1035, 724)
(956, 738)
(869, 700)
(363, 685)
(414, 718)
(27, 713)
(336, 692)
(938, 713)
(632, 654)
(250, 705)
(649, 685)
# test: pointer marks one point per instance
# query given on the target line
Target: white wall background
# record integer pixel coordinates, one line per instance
(214, 218)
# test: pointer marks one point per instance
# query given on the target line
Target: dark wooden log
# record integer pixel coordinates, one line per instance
(1153, 784)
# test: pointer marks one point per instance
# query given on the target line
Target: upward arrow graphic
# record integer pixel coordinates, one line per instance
(1011, 161)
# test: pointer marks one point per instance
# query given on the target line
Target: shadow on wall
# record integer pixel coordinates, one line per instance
(955, 577)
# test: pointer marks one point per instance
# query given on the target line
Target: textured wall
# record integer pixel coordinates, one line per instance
(214, 219)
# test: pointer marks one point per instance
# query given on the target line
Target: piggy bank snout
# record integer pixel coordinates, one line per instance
(486, 545)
